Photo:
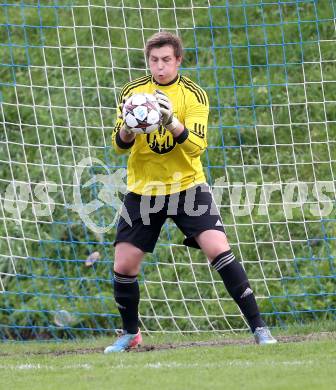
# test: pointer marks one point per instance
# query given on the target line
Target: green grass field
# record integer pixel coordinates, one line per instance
(268, 68)
(269, 72)
(300, 361)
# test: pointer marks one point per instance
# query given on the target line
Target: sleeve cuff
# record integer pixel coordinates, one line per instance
(122, 144)
(183, 136)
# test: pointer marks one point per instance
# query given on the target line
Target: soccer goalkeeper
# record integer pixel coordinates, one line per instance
(166, 179)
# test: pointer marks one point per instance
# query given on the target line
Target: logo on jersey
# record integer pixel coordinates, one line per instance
(161, 141)
(198, 130)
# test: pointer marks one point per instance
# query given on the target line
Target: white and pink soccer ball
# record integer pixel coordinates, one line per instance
(141, 113)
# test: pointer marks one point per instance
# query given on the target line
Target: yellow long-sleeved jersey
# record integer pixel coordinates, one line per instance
(158, 163)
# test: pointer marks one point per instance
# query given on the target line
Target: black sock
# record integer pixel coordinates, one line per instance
(127, 297)
(238, 286)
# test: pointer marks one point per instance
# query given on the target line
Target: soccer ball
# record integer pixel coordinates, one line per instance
(141, 113)
(63, 318)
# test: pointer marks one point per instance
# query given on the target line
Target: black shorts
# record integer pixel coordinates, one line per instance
(142, 217)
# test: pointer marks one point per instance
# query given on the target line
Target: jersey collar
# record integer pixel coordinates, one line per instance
(175, 80)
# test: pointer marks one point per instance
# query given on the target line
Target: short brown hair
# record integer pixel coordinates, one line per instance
(164, 38)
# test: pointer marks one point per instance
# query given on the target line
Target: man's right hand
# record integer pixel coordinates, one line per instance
(126, 133)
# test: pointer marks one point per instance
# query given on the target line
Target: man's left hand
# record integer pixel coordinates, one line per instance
(166, 108)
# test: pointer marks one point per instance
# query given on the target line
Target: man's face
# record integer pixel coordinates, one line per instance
(163, 64)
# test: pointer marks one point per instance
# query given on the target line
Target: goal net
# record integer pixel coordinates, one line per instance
(268, 68)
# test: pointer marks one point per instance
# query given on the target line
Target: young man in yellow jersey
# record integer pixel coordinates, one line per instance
(166, 179)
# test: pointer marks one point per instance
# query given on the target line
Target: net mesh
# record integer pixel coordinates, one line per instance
(269, 70)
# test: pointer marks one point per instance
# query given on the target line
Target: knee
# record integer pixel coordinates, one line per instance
(127, 259)
(215, 251)
(213, 243)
